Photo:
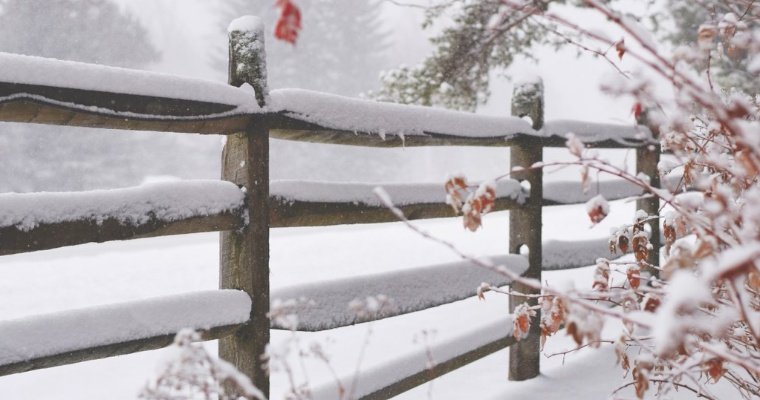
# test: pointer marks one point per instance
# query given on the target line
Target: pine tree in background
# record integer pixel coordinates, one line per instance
(93, 31)
(482, 36)
(729, 65)
(39, 157)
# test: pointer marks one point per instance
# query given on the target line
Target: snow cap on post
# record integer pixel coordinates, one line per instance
(528, 100)
(247, 63)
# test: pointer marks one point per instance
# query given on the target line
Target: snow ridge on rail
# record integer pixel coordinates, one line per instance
(52, 334)
(363, 193)
(378, 377)
(325, 110)
(20, 69)
(408, 291)
(360, 115)
(344, 113)
(169, 201)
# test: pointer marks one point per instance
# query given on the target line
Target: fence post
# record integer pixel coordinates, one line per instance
(647, 158)
(244, 254)
(525, 224)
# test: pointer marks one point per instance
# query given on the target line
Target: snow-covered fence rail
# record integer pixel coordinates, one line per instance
(247, 205)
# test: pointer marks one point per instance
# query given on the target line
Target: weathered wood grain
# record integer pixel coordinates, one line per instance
(51, 236)
(244, 254)
(525, 229)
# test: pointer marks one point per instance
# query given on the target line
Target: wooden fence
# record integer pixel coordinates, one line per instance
(244, 253)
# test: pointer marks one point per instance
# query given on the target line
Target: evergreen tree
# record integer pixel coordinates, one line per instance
(729, 68)
(93, 31)
(486, 36)
(38, 157)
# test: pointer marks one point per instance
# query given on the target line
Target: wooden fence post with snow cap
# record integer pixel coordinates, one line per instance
(525, 223)
(244, 254)
(647, 158)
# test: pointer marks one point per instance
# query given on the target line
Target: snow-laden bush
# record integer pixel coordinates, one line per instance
(192, 373)
(695, 319)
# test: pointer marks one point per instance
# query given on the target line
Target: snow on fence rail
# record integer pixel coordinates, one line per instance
(78, 335)
(39, 221)
(35, 90)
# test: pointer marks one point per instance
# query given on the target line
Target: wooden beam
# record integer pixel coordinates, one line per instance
(38, 110)
(439, 369)
(525, 227)
(51, 236)
(244, 254)
(109, 350)
(285, 213)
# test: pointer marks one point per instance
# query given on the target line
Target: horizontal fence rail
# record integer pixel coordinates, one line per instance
(80, 335)
(41, 221)
(293, 204)
(246, 205)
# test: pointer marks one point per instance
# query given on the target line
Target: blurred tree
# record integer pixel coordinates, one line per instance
(93, 31)
(37, 157)
(340, 50)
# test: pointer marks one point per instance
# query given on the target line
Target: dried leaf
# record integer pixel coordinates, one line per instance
(521, 321)
(620, 49)
(641, 247)
(601, 275)
(597, 209)
(651, 302)
(575, 145)
(289, 22)
(641, 383)
(715, 369)
(636, 110)
(623, 242)
(634, 276)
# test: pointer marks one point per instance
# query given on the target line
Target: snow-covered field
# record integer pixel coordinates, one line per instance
(101, 274)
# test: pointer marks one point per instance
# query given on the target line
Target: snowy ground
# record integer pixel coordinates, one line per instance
(100, 274)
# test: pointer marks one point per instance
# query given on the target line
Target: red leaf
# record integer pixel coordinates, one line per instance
(636, 110)
(289, 23)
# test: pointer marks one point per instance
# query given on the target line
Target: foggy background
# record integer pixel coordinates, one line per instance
(343, 47)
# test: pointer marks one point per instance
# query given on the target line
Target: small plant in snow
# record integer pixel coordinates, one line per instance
(193, 374)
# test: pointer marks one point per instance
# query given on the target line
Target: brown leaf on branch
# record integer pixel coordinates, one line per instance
(622, 243)
(641, 382)
(454, 187)
(634, 275)
(479, 203)
(651, 302)
(620, 48)
(706, 36)
(552, 316)
(597, 209)
(715, 369)
(641, 246)
(521, 321)
(601, 275)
